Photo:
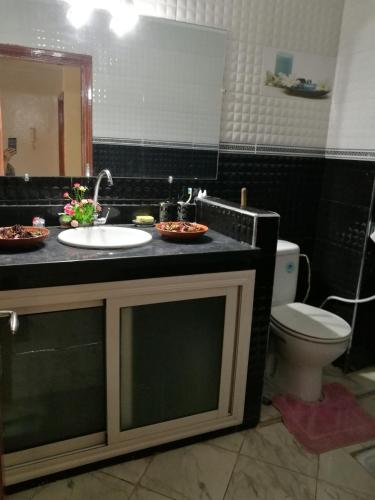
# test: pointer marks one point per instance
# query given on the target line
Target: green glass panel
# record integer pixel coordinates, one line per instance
(170, 360)
(53, 377)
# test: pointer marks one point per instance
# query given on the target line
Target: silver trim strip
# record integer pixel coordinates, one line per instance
(238, 210)
(154, 144)
(351, 154)
(270, 149)
(255, 232)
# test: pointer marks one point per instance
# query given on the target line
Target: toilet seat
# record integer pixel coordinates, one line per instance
(309, 323)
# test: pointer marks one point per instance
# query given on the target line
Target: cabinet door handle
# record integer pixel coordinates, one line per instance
(13, 320)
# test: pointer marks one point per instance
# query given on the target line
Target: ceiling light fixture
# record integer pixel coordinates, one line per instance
(78, 14)
(124, 16)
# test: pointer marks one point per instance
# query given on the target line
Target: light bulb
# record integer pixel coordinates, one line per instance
(124, 19)
(79, 13)
(123, 12)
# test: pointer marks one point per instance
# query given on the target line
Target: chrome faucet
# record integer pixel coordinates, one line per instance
(102, 173)
(13, 320)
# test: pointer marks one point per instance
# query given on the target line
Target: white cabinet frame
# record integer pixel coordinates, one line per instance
(237, 287)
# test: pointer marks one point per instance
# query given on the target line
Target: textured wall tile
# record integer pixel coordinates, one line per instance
(312, 26)
(352, 119)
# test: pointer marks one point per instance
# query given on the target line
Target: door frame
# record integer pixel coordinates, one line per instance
(60, 124)
(2, 172)
(84, 62)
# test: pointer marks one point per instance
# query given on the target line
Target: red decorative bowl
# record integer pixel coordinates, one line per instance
(25, 242)
(181, 235)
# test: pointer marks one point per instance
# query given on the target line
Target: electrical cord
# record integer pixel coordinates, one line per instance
(349, 301)
(308, 276)
(331, 297)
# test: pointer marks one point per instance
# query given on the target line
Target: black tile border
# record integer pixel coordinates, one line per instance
(304, 151)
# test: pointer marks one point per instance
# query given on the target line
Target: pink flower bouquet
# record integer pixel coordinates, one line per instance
(79, 210)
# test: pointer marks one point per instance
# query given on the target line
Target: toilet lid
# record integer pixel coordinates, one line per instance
(311, 322)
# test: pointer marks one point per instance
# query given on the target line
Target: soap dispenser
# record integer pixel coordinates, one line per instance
(168, 208)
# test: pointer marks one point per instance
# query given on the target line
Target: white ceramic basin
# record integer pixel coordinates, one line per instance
(104, 237)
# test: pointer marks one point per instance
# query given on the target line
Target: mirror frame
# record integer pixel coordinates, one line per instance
(65, 58)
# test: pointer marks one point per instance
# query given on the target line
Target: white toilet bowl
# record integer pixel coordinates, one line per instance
(307, 339)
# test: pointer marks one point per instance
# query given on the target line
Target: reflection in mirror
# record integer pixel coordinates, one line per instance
(158, 110)
(41, 106)
(46, 122)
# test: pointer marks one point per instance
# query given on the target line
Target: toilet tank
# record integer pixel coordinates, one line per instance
(286, 273)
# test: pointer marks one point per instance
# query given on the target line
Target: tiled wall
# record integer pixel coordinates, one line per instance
(311, 26)
(323, 204)
(289, 186)
(352, 120)
(341, 236)
(363, 349)
(157, 162)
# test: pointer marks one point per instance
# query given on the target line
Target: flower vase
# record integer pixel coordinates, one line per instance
(63, 223)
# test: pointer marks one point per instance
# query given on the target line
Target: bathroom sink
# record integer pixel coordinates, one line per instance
(104, 237)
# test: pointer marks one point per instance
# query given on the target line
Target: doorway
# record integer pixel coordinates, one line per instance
(47, 110)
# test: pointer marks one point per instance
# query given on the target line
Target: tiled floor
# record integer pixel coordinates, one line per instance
(265, 463)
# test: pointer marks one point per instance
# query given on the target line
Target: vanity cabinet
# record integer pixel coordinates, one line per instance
(100, 370)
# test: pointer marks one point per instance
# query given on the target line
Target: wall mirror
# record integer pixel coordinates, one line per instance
(46, 112)
(156, 95)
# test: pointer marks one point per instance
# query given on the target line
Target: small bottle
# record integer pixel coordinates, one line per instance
(39, 222)
(168, 209)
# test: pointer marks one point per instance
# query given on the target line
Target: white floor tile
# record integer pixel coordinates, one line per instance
(195, 472)
(130, 471)
(340, 468)
(269, 413)
(368, 404)
(326, 491)
(364, 380)
(143, 494)
(93, 486)
(274, 444)
(255, 480)
(231, 442)
(334, 374)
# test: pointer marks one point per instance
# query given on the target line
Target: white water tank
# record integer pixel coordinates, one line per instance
(286, 273)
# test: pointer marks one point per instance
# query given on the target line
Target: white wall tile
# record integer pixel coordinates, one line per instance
(312, 26)
(352, 119)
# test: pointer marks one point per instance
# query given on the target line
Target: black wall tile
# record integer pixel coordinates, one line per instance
(339, 245)
(154, 162)
(323, 206)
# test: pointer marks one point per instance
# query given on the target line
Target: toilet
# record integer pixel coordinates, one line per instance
(305, 338)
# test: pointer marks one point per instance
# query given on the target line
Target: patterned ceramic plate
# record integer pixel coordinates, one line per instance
(40, 234)
(180, 235)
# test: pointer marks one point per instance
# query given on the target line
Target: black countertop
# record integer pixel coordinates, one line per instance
(55, 264)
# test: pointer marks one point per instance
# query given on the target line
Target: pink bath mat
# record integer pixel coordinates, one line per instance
(334, 422)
